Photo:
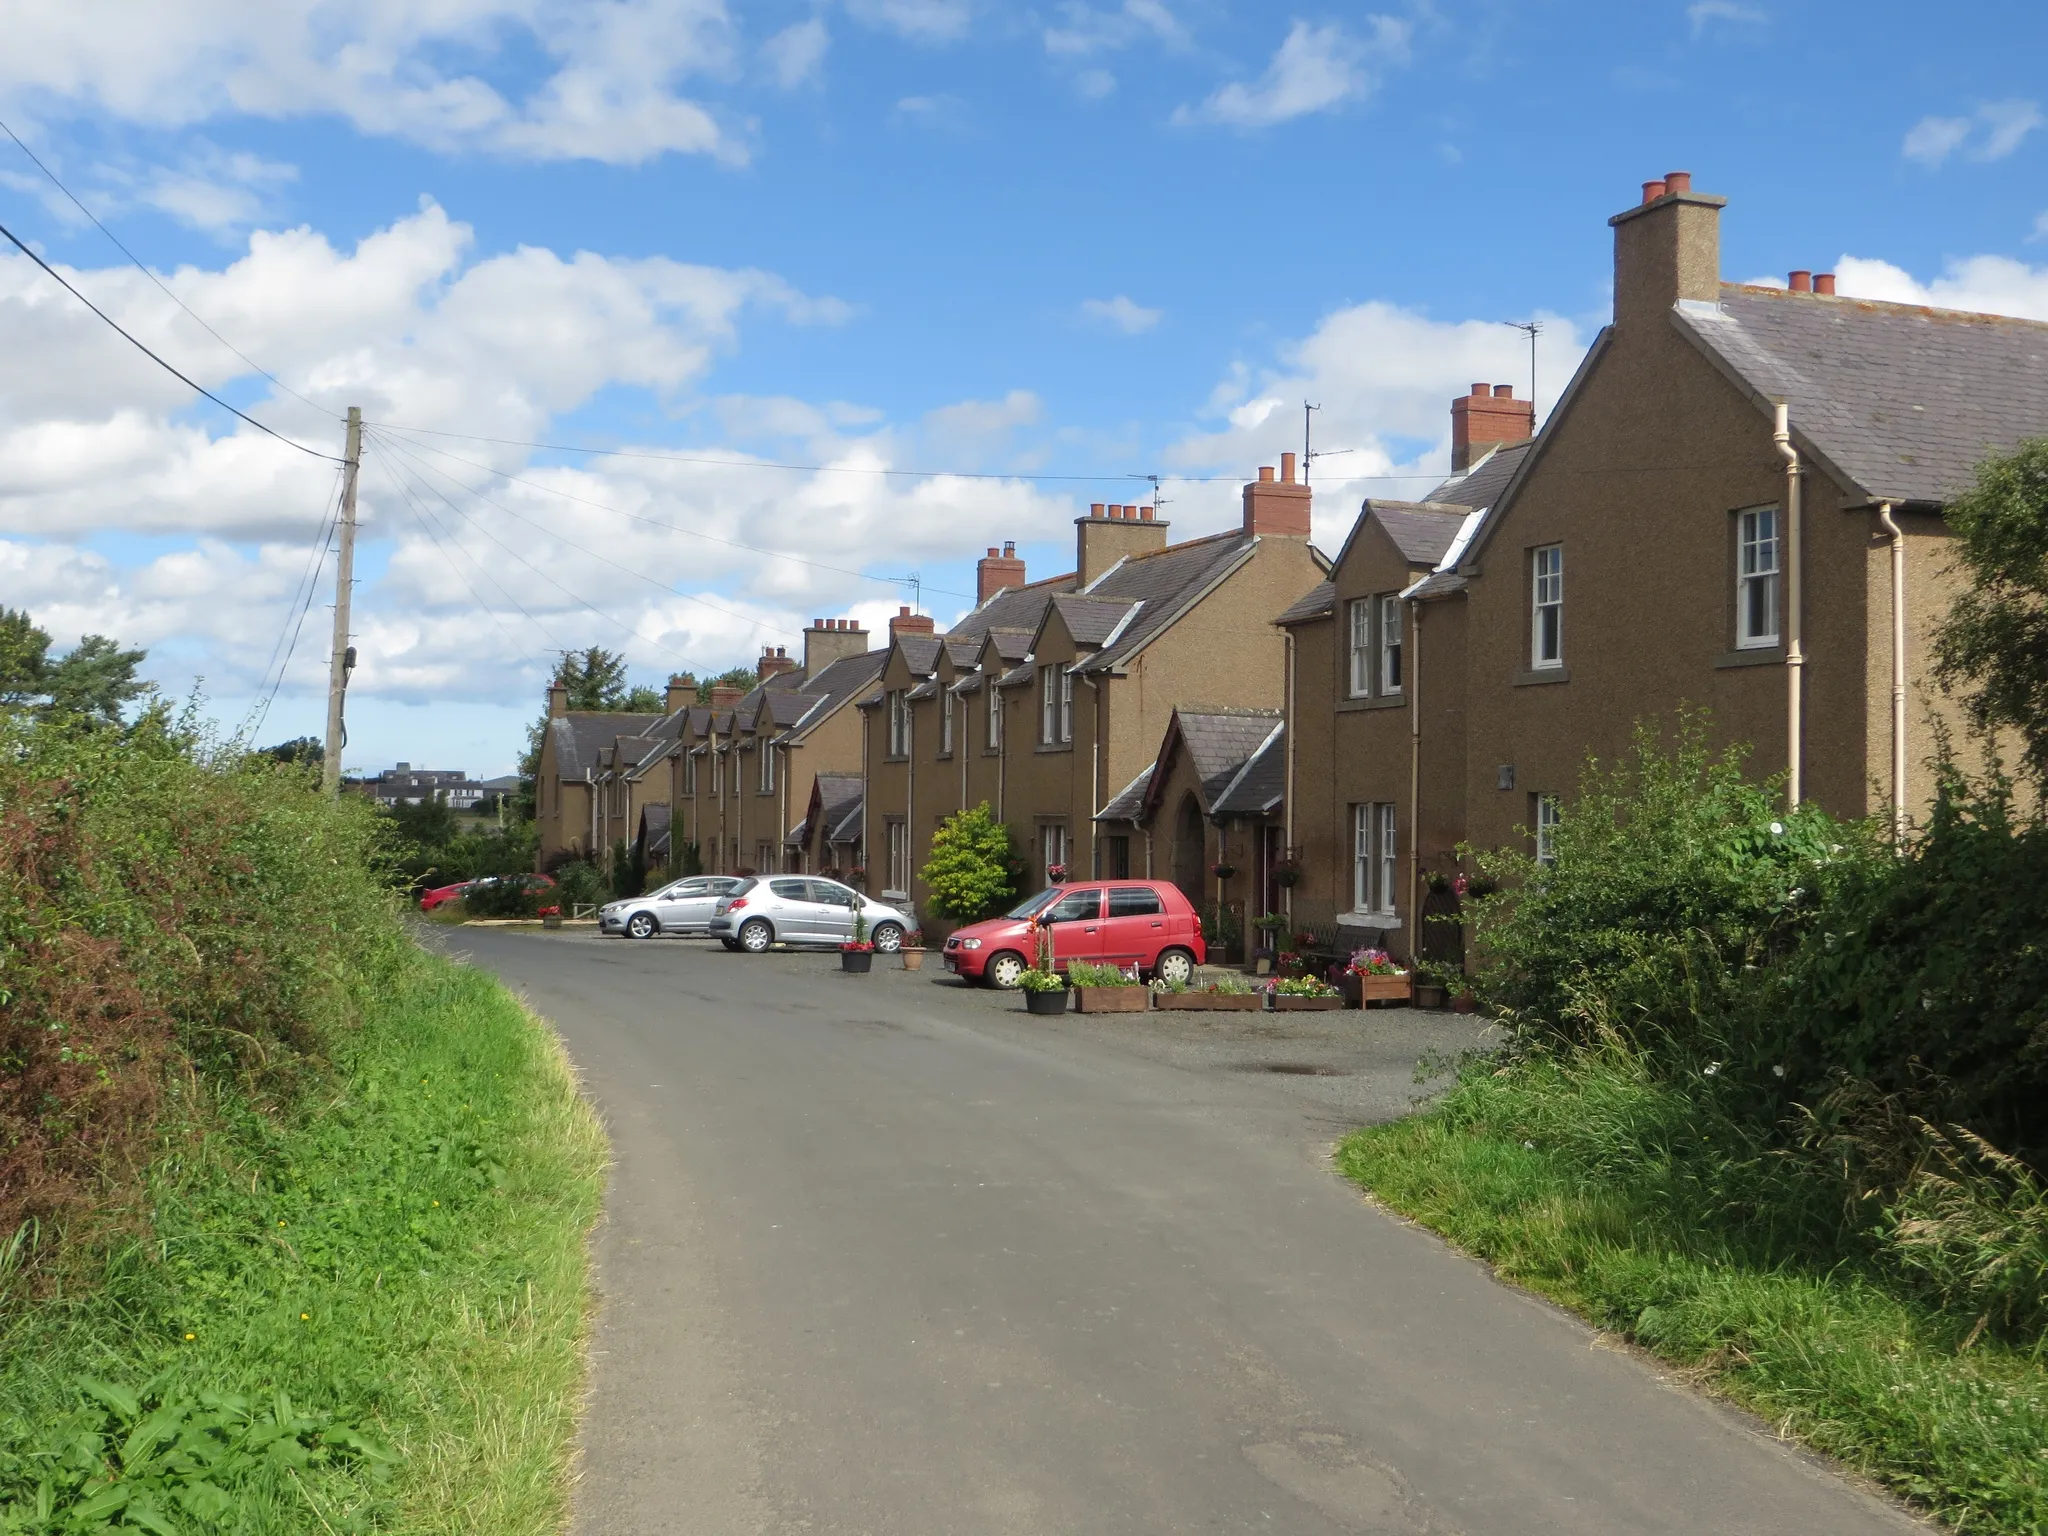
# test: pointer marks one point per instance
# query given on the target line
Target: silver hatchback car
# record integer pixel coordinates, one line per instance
(681, 906)
(802, 910)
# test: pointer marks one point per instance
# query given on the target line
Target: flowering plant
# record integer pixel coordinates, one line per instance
(856, 947)
(1223, 869)
(857, 875)
(1300, 986)
(1287, 871)
(1373, 962)
(1056, 873)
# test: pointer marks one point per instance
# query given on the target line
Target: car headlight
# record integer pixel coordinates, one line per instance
(970, 943)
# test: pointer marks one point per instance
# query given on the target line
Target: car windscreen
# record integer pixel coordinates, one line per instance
(1036, 904)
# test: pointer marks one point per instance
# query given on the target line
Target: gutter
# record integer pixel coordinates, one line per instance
(1898, 538)
(1795, 654)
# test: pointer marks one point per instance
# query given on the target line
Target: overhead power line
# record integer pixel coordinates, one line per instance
(141, 267)
(145, 351)
(295, 616)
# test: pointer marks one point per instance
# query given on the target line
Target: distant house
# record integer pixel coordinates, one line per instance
(407, 785)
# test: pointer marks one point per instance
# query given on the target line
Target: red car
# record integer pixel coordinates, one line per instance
(440, 893)
(1144, 923)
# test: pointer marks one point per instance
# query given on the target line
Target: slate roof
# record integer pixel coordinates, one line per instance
(786, 706)
(1128, 804)
(654, 829)
(1901, 402)
(1261, 784)
(920, 652)
(1013, 645)
(1092, 619)
(1319, 602)
(1481, 485)
(1220, 742)
(582, 736)
(1166, 584)
(1420, 530)
(838, 683)
(837, 794)
(1012, 608)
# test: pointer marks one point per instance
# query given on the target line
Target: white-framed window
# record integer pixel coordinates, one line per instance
(1756, 578)
(1390, 643)
(1361, 647)
(946, 721)
(995, 714)
(899, 723)
(1052, 847)
(1546, 606)
(717, 771)
(1055, 704)
(899, 854)
(1375, 856)
(1549, 811)
(767, 751)
(689, 773)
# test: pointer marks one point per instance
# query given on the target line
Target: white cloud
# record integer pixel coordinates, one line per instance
(1707, 14)
(927, 111)
(1316, 69)
(2040, 227)
(921, 21)
(796, 54)
(1084, 30)
(1121, 314)
(388, 69)
(1094, 84)
(2004, 123)
(1385, 378)
(1992, 285)
(121, 516)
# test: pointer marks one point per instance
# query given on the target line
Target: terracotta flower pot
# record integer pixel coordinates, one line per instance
(913, 959)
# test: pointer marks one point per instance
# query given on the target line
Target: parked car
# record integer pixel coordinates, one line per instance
(682, 906)
(443, 893)
(1148, 924)
(802, 910)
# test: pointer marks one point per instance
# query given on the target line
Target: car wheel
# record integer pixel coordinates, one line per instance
(1003, 970)
(732, 944)
(1176, 967)
(756, 935)
(643, 926)
(888, 938)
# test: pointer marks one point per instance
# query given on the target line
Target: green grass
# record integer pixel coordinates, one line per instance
(404, 1258)
(1583, 1187)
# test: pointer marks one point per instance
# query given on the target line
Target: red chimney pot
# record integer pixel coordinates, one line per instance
(1824, 282)
(1678, 181)
(1800, 281)
(1287, 469)
(1266, 473)
(1503, 391)
(1652, 190)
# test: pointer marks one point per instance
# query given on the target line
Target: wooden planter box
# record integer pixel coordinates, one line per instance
(1385, 989)
(1208, 1002)
(1283, 1003)
(1112, 999)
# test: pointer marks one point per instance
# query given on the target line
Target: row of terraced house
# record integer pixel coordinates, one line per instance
(1736, 505)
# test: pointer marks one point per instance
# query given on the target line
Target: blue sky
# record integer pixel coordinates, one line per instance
(1090, 240)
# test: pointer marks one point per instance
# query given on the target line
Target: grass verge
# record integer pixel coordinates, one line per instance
(368, 1317)
(1505, 1167)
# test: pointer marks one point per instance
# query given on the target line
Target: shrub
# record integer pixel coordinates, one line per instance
(973, 871)
(1086, 973)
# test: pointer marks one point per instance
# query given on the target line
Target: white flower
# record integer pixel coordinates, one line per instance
(1529, 1145)
(1713, 1068)
(1777, 1071)
(1777, 829)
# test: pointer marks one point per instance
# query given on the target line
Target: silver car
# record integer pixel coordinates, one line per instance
(803, 910)
(681, 906)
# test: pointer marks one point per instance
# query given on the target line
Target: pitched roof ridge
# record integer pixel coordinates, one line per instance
(1231, 711)
(1174, 549)
(1848, 300)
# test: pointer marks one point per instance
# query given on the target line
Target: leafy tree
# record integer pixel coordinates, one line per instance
(973, 869)
(1993, 643)
(300, 749)
(89, 685)
(732, 677)
(429, 822)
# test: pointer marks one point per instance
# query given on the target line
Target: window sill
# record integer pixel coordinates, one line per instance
(1757, 656)
(1382, 701)
(894, 757)
(1368, 919)
(895, 895)
(1054, 746)
(1531, 677)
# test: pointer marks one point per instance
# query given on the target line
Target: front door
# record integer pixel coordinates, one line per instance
(1076, 923)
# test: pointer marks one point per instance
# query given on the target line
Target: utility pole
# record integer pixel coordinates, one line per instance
(343, 659)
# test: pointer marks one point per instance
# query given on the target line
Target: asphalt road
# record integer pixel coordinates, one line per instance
(887, 1255)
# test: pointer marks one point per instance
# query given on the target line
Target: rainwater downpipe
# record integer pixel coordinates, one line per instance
(1094, 777)
(1287, 801)
(1795, 654)
(909, 796)
(1898, 538)
(867, 773)
(1415, 787)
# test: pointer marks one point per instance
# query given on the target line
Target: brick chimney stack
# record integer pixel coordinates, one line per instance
(1487, 416)
(830, 640)
(773, 663)
(682, 692)
(908, 623)
(723, 697)
(998, 571)
(1666, 249)
(1110, 533)
(558, 700)
(1277, 508)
